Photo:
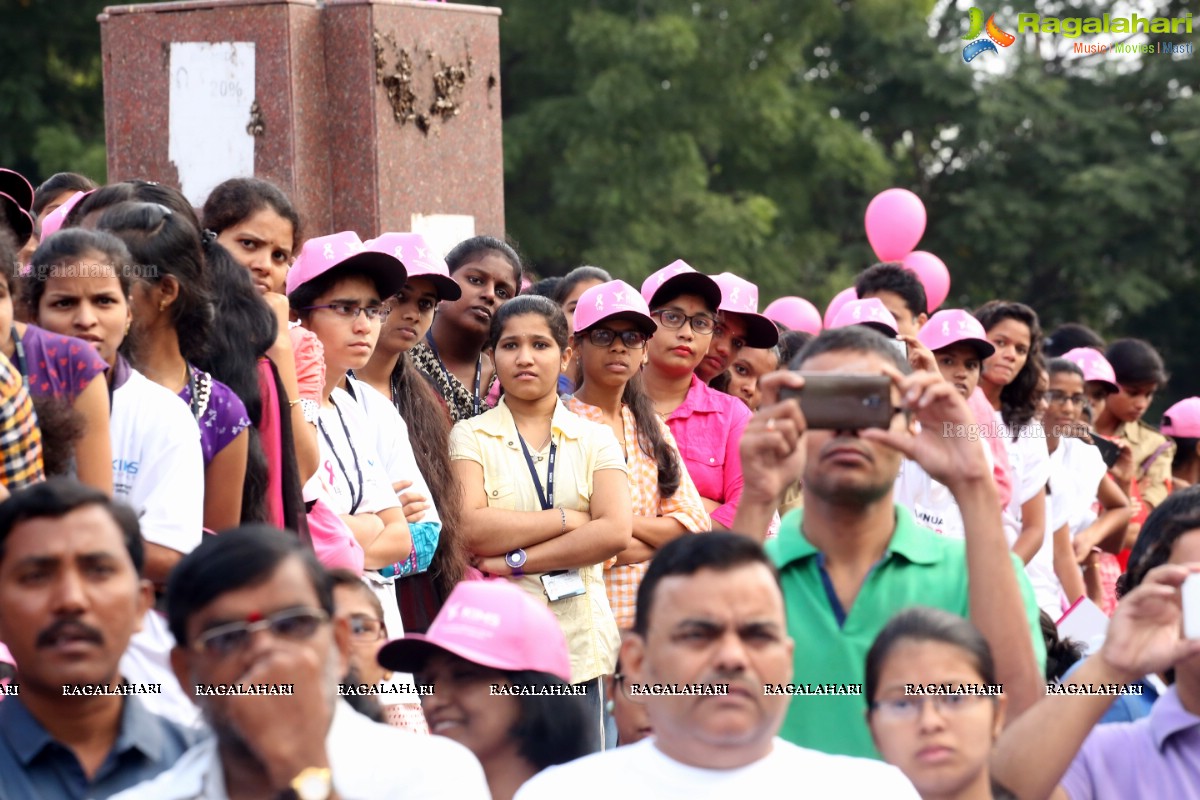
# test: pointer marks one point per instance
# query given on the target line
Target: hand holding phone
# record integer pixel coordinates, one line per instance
(844, 402)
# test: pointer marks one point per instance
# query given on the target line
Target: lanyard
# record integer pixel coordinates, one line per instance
(446, 372)
(354, 499)
(546, 498)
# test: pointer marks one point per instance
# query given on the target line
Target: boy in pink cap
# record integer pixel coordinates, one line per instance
(500, 672)
(1099, 379)
(1181, 422)
(740, 325)
(870, 312)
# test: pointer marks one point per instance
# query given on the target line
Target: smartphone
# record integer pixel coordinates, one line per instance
(1191, 606)
(1108, 451)
(844, 402)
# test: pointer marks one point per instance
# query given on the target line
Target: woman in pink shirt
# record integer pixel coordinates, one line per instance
(706, 424)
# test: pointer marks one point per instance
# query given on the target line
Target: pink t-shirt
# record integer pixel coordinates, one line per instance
(985, 416)
(708, 428)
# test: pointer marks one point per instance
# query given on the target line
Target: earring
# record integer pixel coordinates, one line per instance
(610, 706)
(162, 305)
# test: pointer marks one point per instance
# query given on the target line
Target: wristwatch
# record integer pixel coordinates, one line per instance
(313, 783)
(515, 560)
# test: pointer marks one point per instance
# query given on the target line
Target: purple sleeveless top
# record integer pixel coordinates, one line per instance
(224, 418)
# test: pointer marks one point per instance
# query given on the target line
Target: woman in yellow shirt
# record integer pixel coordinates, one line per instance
(545, 493)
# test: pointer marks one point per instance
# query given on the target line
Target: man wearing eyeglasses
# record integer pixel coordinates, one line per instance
(253, 607)
(72, 593)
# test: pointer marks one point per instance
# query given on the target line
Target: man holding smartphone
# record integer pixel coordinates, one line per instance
(852, 558)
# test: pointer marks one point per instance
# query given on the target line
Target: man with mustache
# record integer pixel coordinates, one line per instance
(710, 620)
(71, 596)
(852, 557)
(259, 649)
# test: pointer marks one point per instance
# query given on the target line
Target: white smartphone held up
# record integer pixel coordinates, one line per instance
(1191, 606)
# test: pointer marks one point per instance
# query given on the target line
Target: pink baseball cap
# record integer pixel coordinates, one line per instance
(55, 219)
(739, 296)
(870, 312)
(1182, 419)
(1094, 365)
(15, 185)
(346, 251)
(421, 260)
(954, 325)
(492, 622)
(679, 278)
(615, 299)
(17, 218)
(6, 656)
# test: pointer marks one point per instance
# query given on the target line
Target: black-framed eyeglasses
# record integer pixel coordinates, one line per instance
(294, 624)
(365, 627)
(351, 311)
(603, 337)
(670, 319)
(1055, 396)
(909, 708)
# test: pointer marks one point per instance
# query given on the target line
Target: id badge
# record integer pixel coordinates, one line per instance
(562, 584)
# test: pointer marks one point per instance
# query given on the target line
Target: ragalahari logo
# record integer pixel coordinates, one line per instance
(986, 44)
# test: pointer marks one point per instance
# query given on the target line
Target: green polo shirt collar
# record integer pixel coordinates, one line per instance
(909, 541)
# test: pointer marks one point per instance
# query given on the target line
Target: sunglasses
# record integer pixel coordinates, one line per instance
(292, 624)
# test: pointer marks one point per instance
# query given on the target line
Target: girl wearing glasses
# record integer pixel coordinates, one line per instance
(488, 273)
(706, 424)
(546, 493)
(1078, 478)
(425, 429)
(336, 288)
(612, 327)
(172, 316)
(941, 742)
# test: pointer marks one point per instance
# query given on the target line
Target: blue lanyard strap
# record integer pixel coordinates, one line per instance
(445, 372)
(546, 498)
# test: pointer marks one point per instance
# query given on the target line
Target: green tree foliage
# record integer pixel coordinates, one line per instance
(750, 136)
(51, 103)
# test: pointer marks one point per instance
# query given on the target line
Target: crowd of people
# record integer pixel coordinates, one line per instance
(383, 523)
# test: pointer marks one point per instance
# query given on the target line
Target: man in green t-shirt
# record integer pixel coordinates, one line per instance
(852, 558)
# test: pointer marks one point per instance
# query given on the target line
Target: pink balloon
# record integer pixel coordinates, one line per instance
(933, 276)
(795, 312)
(895, 222)
(840, 299)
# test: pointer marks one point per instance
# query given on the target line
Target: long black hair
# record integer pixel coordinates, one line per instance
(246, 331)
(239, 198)
(1018, 400)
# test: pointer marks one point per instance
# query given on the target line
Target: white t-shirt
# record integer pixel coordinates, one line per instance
(369, 761)
(1077, 469)
(1029, 470)
(392, 442)
(158, 469)
(930, 502)
(643, 771)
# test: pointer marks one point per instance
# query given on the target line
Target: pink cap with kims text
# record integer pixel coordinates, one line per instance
(678, 278)
(740, 296)
(613, 299)
(870, 312)
(421, 260)
(346, 251)
(951, 326)
(1183, 419)
(1094, 365)
(493, 623)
